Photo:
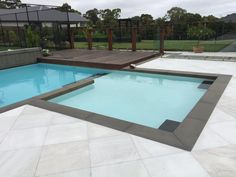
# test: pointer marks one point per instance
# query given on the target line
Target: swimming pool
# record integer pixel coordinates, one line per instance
(24, 82)
(141, 98)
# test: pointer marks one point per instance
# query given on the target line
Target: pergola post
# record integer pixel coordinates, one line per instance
(110, 47)
(134, 39)
(89, 39)
(162, 38)
(70, 33)
(70, 36)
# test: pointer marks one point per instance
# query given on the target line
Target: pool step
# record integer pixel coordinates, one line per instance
(205, 84)
(169, 125)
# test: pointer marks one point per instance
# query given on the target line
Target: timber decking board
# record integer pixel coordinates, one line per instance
(97, 58)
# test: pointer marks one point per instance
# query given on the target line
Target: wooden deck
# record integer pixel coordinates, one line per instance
(97, 58)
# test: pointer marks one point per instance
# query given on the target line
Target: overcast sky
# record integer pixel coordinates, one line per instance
(157, 8)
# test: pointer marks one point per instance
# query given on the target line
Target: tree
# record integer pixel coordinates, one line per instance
(148, 26)
(13, 38)
(136, 18)
(175, 14)
(200, 32)
(109, 17)
(190, 18)
(146, 19)
(10, 4)
(32, 37)
(93, 16)
(67, 8)
(210, 19)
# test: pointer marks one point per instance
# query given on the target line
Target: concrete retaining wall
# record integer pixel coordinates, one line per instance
(19, 57)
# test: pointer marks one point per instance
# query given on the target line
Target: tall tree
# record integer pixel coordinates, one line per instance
(175, 14)
(146, 19)
(148, 26)
(110, 17)
(190, 18)
(93, 16)
(9, 4)
(67, 8)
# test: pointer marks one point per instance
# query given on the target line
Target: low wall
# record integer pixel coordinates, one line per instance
(19, 57)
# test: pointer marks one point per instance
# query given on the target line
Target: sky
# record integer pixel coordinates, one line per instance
(157, 8)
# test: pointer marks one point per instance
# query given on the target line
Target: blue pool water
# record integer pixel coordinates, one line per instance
(20, 83)
(146, 99)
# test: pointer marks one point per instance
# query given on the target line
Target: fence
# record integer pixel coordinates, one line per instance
(38, 25)
(126, 39)
(211, 36)
(55, 28)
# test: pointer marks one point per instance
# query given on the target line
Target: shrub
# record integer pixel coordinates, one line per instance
(13, 38)
(32, 37)
(200, 32)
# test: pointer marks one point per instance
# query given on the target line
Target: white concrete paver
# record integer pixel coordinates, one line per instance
(19, 163)
(218, 162)
(127, 169)
(66, 133)
(111, 150)
(63, 157)
(74, 173)
(182, 164)
(26, 138)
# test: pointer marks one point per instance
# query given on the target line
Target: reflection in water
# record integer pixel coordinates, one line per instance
(38, 81)
(160, 81)
(24, 82)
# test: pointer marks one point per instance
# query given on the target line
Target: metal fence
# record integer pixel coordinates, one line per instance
(37, 25)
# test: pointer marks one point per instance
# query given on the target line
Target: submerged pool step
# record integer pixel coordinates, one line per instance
(205, 84)
(169, 125)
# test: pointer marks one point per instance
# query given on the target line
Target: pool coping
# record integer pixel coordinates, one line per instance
(183, 137)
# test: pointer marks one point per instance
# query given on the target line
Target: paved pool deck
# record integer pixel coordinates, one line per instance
(40, 143)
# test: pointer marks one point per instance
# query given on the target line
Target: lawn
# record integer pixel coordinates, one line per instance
(170, 45)
(2, 48)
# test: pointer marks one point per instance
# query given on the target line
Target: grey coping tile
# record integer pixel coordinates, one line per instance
(189, 131)
(109, 122)
(155, 134)
(202, 111)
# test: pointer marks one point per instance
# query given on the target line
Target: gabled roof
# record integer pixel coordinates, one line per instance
(230, 18)
(39, 14)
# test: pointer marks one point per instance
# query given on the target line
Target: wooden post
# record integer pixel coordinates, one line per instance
(70, 36)
(134, 39)
(110, 47)
(89, 39)
(162, 38)
(72, 45)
